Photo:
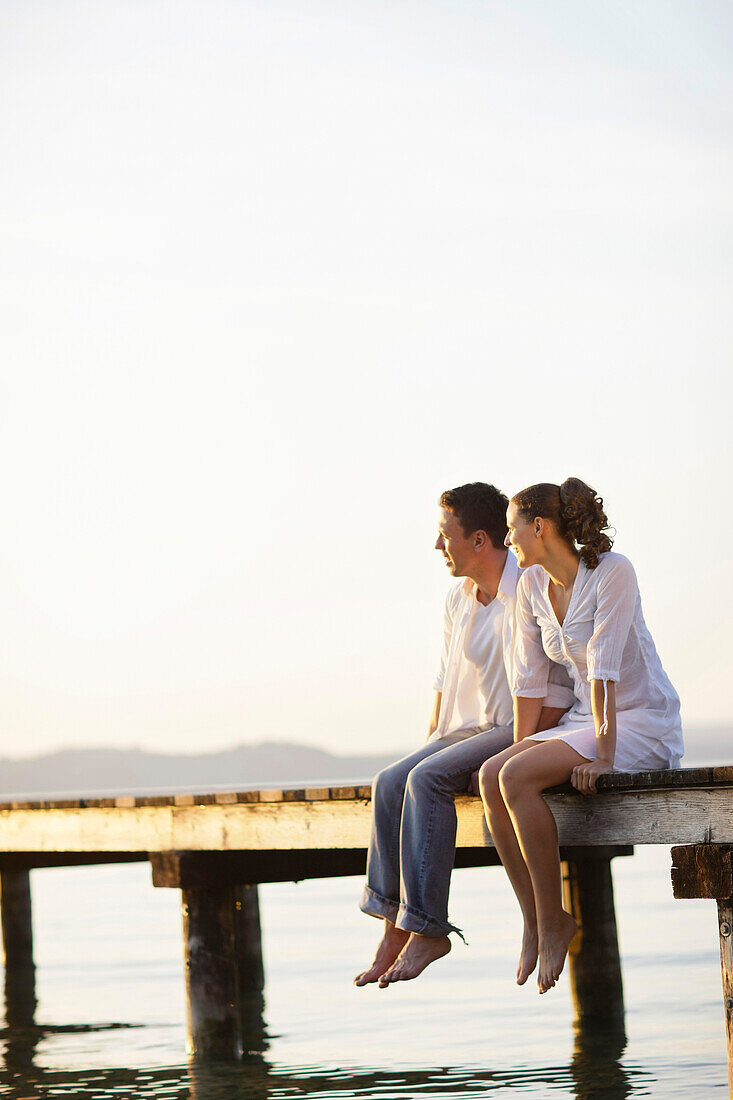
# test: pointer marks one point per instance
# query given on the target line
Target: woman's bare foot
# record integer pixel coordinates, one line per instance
(554, 944)
(392, 941)
(528, 957)
(418, 952)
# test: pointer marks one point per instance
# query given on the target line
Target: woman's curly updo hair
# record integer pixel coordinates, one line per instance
(575, 509)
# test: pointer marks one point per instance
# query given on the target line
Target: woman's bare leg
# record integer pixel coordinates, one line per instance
(521, 781)
(502, 831)
(392, 941)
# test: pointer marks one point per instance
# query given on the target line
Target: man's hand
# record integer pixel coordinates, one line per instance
(584, 775)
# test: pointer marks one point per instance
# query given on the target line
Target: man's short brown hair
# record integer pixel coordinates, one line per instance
(478, 507)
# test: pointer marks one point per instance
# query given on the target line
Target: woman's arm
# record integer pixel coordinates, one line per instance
(530, 666)
(616, 599)
(603, 701)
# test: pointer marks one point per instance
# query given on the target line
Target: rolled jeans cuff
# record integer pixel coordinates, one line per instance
(406, 917)
(375, 905)
(411, 919)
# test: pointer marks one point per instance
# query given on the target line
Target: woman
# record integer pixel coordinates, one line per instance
(577, 604)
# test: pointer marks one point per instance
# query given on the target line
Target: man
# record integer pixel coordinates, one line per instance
(412, 846)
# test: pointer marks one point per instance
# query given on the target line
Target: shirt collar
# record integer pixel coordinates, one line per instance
(507, 584)
(509, 578)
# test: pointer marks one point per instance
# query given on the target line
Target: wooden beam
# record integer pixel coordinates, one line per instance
(28, 861)
(702, 871)
(207, 870)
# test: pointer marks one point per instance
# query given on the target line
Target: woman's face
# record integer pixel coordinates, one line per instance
(521, 537)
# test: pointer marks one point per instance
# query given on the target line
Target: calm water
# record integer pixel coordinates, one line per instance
(108, 949)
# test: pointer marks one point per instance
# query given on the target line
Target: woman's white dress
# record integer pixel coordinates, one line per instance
(603, 637)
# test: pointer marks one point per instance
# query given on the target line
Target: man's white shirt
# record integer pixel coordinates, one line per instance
(476, 663)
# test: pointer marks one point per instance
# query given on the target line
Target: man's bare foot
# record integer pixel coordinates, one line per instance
(554, 944)
(528, 958)
(418, 952)
(392, 941)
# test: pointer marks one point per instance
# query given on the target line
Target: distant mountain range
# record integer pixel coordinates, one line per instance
(81, 771)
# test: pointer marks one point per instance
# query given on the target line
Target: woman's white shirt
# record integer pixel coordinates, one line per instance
(603, 637)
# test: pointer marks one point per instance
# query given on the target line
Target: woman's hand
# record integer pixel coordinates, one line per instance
(584, 775)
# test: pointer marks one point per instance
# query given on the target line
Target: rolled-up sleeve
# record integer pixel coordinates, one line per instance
(617, 597)
(531, 663)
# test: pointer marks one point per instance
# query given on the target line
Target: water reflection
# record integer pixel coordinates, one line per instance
(21, 1043)
(595, 1072)
(596, 1067)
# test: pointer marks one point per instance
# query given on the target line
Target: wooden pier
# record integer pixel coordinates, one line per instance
(217, 847)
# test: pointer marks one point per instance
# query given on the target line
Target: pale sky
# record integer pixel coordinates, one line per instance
(274, 275)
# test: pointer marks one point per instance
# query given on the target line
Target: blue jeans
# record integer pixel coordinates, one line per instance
(413, 841)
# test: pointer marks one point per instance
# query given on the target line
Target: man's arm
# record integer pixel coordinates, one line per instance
(435, 716)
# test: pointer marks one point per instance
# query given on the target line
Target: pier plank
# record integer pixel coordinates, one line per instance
(671, 815)
(275, 796)
(721, 774)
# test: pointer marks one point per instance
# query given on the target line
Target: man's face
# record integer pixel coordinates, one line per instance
(457, 548)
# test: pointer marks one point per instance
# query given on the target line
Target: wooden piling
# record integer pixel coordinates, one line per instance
(725, 927)
(17, 923)
(248, 937)
(209, 936)
(706, 871)
(17, 929)
(594, 961)
(250, 970)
